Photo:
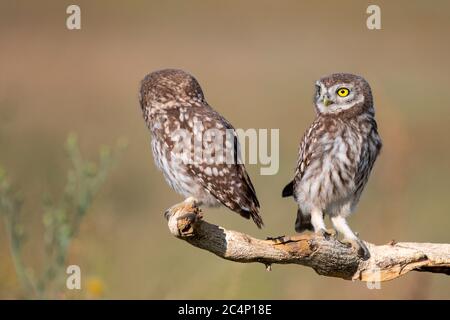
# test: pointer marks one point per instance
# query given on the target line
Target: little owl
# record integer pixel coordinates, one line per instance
(336, 156)
(174, 108)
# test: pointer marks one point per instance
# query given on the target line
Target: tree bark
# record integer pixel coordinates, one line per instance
(327, 256)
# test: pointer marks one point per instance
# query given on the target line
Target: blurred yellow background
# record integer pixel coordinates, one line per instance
(257, 62)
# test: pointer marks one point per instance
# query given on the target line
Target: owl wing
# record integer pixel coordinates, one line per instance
(307, 151)
(227, 182)
(369, 153)
(304, 158)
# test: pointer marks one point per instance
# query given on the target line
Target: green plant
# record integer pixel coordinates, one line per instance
(61, 219)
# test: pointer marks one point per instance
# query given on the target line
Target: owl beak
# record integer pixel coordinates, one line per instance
(327, 102)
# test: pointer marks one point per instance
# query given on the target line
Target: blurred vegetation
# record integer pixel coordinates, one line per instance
(61, 219)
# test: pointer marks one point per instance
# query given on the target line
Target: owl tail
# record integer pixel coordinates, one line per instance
(254, 215)
(303, 222)
(288, 191)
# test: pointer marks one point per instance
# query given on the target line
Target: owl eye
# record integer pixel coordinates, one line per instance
(342, 92)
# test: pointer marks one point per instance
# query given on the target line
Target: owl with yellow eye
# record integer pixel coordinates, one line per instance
(336, 156)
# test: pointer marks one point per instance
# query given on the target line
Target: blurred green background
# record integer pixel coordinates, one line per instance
(257, 62)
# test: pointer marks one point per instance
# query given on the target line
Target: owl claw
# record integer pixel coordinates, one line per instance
(279, 239)
(332, 233)
(167, 214)
(324, 233)
(359, 246)
(188, 203)
(172, 210)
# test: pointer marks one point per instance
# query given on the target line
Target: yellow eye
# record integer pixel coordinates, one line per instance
(343, 92)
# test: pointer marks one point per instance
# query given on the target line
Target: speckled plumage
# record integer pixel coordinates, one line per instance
(336, 155)
(172, 100)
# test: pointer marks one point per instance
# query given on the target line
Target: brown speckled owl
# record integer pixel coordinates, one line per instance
(174, 107)
(336, 156)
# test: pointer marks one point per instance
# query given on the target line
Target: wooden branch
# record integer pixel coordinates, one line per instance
(327, 257)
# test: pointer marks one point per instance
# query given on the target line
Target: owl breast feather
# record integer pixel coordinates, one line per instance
(330, 168)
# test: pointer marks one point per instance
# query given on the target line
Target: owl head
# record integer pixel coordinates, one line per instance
(169, 87)
(343, 93)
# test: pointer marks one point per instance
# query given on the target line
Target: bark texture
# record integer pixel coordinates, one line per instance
(327, 256)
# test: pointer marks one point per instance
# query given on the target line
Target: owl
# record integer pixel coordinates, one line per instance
(191, 144)
(336, 156)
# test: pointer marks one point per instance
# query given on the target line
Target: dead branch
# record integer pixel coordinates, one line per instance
(327, 256)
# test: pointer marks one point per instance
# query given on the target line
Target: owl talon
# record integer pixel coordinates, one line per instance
(359, 246)
(167, 214)
(279, 239)
(172, 210)
(189, 203)
(332, 233)
(324, 233)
